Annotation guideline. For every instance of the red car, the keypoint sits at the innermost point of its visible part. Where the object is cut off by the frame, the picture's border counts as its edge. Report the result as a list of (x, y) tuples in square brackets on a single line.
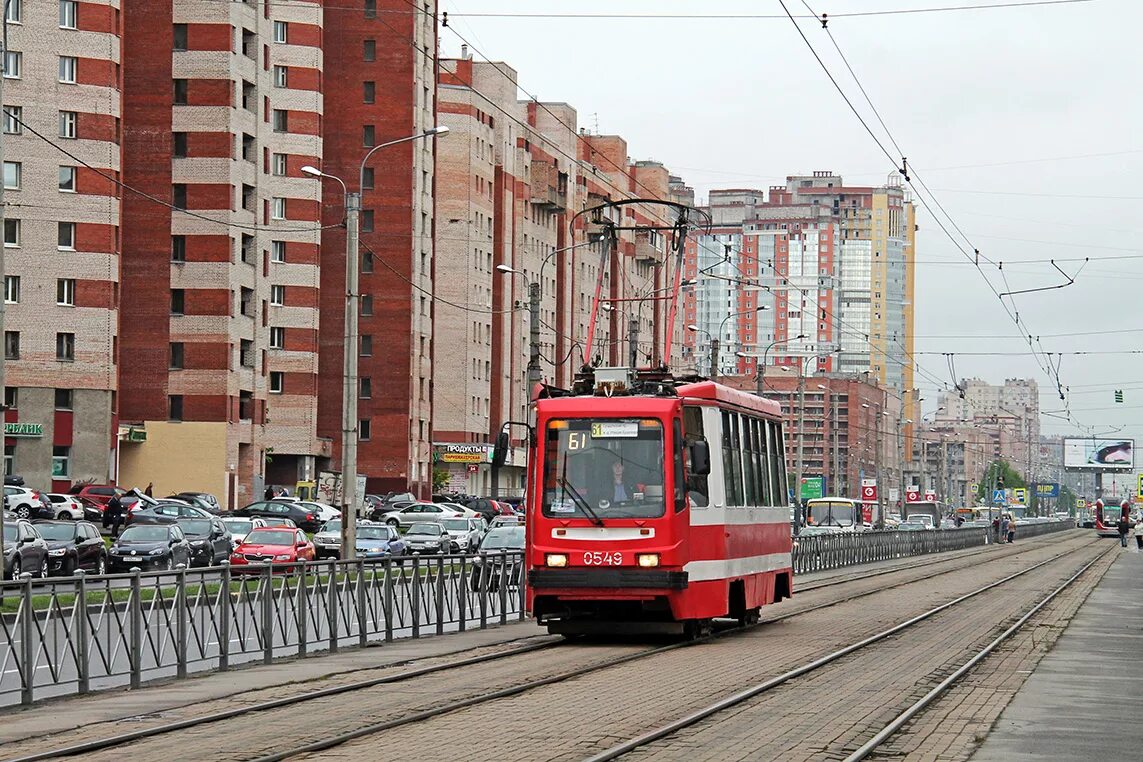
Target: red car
[(95, 496), (278, 545)]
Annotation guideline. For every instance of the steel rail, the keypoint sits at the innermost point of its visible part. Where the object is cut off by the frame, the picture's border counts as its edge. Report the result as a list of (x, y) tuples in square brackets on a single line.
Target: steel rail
[(899, 721), (737, 698)]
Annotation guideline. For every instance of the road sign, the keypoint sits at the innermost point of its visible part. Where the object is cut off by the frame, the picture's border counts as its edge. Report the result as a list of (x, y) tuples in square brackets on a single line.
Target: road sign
[(998, 496), (869, 490), (1021, 495), (1046, 489), (1140, 485), (930, 495), (974, 488), (812, 487), (912, 495), (1081, 503)]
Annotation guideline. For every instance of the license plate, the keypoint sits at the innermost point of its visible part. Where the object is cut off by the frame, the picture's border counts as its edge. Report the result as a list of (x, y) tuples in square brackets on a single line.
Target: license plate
[(602, 558)]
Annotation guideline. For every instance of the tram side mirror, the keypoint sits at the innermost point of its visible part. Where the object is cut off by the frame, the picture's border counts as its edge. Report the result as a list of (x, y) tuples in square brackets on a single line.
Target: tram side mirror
[(700, 457), (500, 450)]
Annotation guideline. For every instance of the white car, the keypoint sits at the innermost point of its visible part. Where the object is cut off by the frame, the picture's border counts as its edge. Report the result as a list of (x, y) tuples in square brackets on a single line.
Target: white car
[(67, 507), (239, 527), (418, 512), (463, 511), (323, 511), (465, 533)]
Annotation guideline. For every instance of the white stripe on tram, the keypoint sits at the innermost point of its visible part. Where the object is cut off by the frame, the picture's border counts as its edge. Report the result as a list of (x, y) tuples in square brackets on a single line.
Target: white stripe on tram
[(717, 514), (701, 571)]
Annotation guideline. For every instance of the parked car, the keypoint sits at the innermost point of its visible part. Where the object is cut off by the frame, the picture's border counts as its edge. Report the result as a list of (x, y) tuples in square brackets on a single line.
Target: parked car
[(163, 512), (204, 500), (288, 523), (24, 550), (161, 546), (428, 537), (323, 511), (209, 540), (272, 545), (97, 495), (240, 527), (280, 509), (509, 521), (66, 506), (490, 509), (327, 540), (417, 512), (73, 545), (913, 526), (379, 541), (28, 503), (464, 533), (497, 557)]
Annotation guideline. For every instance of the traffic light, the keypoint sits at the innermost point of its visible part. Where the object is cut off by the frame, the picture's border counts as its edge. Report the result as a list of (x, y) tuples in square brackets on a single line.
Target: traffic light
[(999, 482), (1119, 395)]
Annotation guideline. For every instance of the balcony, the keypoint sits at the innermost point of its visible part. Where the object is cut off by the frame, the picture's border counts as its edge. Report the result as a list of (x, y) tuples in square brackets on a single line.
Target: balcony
[(549, 186)]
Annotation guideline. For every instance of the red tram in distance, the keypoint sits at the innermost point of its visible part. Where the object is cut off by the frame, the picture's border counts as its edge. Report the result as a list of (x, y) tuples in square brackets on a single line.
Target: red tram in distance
[(1107, 516), (656, 507)]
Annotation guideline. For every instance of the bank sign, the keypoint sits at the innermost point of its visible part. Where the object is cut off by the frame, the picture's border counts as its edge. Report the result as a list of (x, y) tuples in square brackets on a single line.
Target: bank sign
[(23, 429), (463, 453), (1046, 489)]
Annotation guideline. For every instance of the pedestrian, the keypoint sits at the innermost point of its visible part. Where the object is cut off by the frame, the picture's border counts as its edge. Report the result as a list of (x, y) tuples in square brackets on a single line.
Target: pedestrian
[(1124, 526), (1003, 527), (1011, 529), (113, 515), (269, 492), (149, 492)]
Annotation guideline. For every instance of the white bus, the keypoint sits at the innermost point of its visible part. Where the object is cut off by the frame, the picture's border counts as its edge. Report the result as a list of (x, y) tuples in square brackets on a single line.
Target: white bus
[(834, 514)]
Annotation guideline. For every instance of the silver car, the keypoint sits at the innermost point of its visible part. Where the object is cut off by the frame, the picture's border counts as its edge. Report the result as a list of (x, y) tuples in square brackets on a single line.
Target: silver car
[(417, 513), (464, 533), (428, 537), (240, 527)]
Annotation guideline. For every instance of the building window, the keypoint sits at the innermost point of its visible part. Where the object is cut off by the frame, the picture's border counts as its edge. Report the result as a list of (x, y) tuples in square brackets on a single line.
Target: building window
[(277, 296), (67, 179), (366, 304), (14, 120), (15, 14), (246, 301), (180, 37), (366, 345), (65, 235), (11, 233), (180, 145), (277, 381), (277, 208), (11, 289), (178, 301), (65, 292), (61, 462), (367, 179), (246, 355), (368, 136), (364, 430), (366, 386), (13, 173), (370, 9), (369, 50), (11, 397), (13, 64), (11, 345), (366, 220), (69, 11), (177, 355), (63, 399), (9, 460), (69, 66), (369, 94), (281, 76), (281, 120), (277, 251), (68, 121), (279, 164), (366, 261), (65, 347), (179, 195), (178, 248), (180, 92), (277, 338), (281, 31), (175, 407)]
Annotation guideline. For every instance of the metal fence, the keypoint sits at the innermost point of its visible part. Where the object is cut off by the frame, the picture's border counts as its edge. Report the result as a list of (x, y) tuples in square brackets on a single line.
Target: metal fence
[(77, 634), (832, 551)]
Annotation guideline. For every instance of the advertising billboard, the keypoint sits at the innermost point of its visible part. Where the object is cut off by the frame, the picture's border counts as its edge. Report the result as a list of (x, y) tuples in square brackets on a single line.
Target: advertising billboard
[(1100, 454)]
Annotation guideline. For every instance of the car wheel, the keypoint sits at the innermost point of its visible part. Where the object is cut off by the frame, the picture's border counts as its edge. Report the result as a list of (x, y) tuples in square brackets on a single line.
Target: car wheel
[(393, 522), (15, 572), (24, 511)]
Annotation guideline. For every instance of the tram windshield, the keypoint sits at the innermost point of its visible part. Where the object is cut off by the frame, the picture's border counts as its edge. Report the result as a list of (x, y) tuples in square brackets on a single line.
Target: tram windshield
[(831, 513), (604, 469)]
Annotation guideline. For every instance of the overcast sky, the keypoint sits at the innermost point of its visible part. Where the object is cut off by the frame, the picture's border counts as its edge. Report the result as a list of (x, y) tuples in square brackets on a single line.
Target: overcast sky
[(1025, 123)]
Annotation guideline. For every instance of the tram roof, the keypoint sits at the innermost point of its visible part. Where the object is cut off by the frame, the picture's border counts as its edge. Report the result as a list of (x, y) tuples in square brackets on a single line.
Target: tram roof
[(710, 390)]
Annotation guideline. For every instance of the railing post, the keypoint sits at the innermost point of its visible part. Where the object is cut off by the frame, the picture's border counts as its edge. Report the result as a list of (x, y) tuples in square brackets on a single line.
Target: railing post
[(416, 596), (462, 595), (521, 583), (388, 605), (361, 629), (333, 607), (83, 633), (504, 587), (268, 614), (303, 610), (484, 580), (135, 615), (27, 641), (225, 602), (181, 622), (440, 596)]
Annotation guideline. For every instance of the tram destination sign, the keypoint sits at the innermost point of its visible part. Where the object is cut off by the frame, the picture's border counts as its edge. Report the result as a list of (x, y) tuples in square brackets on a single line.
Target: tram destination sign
[(15, 429)]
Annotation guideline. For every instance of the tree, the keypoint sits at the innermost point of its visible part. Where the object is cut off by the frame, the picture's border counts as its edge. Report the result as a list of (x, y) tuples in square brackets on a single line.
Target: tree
[(440, 479), (1009, 478), (1067, 500)]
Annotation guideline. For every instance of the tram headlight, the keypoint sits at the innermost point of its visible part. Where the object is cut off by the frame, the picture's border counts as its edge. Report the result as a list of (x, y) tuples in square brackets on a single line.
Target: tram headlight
[(556, 559), (647, 560)]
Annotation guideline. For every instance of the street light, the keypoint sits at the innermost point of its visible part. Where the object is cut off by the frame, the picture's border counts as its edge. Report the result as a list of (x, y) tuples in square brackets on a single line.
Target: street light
[(715, 341), (349, 424)]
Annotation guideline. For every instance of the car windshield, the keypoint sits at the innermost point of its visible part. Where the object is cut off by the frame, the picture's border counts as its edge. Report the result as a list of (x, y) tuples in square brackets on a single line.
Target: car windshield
[(459, 525), (433, 529), (144, 534), (195, 526), (9, 532), (601, 469), (238, 526), (56, 531), (838, 513), (504, 538), (280, 522), (335, 526), (372, 533), (270, 537)]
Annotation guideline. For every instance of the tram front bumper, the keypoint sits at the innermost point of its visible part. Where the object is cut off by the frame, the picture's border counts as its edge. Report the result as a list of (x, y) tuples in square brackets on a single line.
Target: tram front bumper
[(610, 578)]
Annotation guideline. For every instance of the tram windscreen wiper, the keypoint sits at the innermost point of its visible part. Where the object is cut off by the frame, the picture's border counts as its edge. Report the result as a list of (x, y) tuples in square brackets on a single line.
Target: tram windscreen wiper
[(578, 498)]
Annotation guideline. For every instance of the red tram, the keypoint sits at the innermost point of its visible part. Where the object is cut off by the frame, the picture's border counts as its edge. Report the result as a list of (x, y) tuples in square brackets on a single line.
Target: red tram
[(656, 507), (1107, 516)]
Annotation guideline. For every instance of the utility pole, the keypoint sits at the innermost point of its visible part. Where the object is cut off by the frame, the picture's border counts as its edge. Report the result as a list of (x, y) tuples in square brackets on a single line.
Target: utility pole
[(349, 396), (801, 441), (3, 272), (901, 462), (877, 471), (714, 346), (836, 451), (633, 342), (534, 374)]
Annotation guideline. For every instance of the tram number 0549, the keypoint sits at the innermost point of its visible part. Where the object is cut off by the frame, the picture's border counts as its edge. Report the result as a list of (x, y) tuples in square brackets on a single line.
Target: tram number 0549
[(602, 558)]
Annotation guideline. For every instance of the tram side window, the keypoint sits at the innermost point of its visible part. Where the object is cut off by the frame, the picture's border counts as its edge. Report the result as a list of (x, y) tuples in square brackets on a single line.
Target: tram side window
[(778, 464), (697, 489), (731, 463), (749, 477), (678, 478), (758, 462)]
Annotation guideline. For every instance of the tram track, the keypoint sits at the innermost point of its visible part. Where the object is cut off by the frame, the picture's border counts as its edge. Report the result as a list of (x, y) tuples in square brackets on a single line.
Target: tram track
[(123, 739)]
